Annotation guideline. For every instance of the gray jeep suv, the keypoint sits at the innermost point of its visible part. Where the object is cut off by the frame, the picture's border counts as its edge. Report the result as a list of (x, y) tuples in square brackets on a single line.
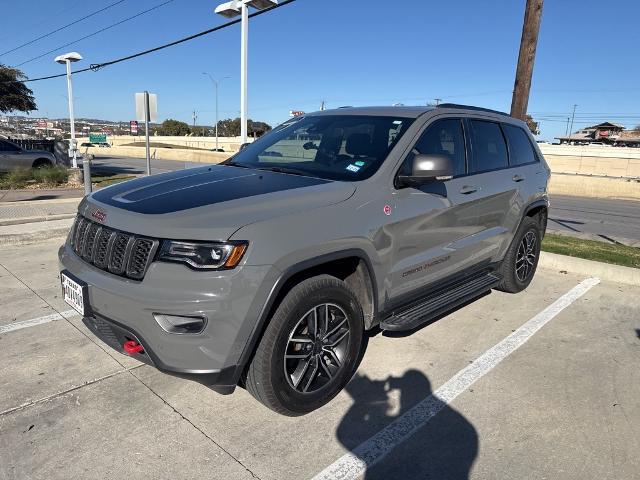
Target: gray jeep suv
[(267, 271)]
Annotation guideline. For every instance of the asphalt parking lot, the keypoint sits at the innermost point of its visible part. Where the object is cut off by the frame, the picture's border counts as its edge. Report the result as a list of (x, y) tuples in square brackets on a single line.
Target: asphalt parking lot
[(543, 384)]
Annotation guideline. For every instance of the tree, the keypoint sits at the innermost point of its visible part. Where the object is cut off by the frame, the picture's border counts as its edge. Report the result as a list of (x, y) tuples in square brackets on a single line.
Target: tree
[(231, 128), (14, 94), (533, 126), (174, 128)]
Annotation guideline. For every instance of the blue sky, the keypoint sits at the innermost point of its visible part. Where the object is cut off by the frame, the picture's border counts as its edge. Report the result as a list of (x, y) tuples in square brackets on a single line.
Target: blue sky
[(346, 52)]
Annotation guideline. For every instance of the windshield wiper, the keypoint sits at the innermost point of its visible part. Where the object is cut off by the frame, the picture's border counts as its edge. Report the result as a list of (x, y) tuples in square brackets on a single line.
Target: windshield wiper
[(234, 164), (291, 171)]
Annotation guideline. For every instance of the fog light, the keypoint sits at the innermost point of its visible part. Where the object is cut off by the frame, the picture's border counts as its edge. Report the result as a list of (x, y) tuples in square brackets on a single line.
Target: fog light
[(180, 324)]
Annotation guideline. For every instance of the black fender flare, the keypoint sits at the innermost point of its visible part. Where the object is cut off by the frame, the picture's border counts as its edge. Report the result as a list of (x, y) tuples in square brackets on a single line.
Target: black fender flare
[(276, 289)]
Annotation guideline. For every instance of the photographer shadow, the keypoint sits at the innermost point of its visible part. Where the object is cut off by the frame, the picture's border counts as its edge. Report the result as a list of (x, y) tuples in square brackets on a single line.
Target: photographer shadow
[(444, 448)]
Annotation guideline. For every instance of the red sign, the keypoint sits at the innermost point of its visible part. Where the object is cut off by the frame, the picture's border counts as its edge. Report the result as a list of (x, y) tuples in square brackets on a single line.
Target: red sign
[(133, 127), (295, 113)]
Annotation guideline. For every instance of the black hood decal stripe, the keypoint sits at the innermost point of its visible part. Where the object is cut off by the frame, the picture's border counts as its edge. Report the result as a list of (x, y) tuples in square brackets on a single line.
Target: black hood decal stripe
[(197, 187)]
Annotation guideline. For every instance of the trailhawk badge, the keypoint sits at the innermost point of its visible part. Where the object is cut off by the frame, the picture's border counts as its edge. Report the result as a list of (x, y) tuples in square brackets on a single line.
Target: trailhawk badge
[(99, 215)]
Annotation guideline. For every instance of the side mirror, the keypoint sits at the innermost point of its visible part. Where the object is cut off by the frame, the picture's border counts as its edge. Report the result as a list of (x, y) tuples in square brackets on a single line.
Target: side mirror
[(427, 168), (310, 146)]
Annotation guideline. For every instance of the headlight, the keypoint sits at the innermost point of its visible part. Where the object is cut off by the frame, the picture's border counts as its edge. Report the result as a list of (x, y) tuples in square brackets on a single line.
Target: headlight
[(203, 256)]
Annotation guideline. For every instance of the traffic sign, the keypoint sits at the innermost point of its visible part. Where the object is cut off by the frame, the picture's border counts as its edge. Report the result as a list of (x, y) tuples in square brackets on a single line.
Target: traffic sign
[(153, 107), (97, 138)]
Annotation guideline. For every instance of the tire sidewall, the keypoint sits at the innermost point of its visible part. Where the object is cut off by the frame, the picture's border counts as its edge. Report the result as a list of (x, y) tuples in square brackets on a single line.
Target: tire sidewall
[(287, 319), (528, 226)]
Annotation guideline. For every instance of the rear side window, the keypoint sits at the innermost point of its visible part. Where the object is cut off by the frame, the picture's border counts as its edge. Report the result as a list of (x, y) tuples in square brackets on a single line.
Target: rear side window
[(489, 151), (520, 149), (443, 137)]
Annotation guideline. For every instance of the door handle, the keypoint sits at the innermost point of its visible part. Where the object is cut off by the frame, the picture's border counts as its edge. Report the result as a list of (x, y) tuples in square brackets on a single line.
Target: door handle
[(467, 189), (518, 178)]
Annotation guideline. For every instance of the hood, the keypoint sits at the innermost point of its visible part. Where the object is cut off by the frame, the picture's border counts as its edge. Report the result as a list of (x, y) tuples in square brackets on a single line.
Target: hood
[(208, 203)]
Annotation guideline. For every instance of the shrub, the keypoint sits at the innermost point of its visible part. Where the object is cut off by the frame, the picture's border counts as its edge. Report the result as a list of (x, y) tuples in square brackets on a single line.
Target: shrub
[(18, 177), (51, 176)]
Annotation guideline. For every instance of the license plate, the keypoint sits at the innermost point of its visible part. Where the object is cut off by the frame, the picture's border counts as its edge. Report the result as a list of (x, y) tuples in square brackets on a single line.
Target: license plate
[(73, 292)]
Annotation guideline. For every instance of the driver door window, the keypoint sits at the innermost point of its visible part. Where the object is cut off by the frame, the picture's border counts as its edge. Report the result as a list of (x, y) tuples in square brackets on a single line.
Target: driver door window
[(443, 137)]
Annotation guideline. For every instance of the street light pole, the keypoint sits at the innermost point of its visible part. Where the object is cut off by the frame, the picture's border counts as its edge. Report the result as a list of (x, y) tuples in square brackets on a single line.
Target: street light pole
[(243, 72), (233, 9), (215, 84), (66, 59), (571, 127), (72, 145)]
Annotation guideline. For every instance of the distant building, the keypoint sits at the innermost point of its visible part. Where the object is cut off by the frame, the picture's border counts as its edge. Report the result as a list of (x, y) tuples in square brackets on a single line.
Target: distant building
[(607, 132)]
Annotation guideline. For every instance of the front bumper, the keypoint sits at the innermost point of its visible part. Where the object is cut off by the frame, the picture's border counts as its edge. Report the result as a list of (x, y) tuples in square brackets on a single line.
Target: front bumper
[(231, 300)]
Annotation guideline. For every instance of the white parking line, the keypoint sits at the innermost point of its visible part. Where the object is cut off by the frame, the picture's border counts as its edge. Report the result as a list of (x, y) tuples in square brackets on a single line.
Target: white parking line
[(37, 321), (371, 451)]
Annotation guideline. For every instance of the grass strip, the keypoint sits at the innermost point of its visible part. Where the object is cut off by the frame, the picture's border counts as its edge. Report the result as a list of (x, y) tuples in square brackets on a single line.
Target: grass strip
[(615, 254)]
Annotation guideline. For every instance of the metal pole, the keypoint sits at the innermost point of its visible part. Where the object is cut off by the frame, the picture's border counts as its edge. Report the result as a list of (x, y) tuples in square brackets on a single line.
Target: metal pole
[(243, 72), (216, 84), (146, 130), (572, 117), (72, 144)]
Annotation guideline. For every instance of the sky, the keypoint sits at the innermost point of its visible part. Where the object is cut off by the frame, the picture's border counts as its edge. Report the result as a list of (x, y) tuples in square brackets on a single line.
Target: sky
[(342, 52)]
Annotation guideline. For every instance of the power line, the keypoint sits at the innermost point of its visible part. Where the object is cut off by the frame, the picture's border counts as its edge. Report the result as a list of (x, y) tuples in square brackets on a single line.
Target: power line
[(62, 28), (97, 66), (96, 32)]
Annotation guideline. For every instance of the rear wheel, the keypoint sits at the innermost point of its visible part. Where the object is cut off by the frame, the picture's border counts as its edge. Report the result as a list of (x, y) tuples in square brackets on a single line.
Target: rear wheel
[(42, 163), (310, 349), (520, 262)]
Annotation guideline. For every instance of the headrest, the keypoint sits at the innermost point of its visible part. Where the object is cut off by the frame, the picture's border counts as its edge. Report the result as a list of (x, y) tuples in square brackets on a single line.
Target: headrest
[(359, 144)]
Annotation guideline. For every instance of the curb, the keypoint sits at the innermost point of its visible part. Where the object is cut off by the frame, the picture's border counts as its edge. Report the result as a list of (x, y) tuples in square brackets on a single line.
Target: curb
[(17, 239), (36, 219), (604, 271)]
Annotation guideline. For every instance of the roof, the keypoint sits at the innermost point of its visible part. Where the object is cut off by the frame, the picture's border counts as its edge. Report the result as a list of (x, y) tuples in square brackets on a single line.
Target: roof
[(400, 111), (608, 125), (576, 136), (403, 111)]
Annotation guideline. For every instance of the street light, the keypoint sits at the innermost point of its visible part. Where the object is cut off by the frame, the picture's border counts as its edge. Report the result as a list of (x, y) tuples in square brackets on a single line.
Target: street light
[(233, 9), (216, 83), (67, 59)]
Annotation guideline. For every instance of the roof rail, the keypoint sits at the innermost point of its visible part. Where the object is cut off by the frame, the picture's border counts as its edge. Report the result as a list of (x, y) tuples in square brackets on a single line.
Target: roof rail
[(469, 107)]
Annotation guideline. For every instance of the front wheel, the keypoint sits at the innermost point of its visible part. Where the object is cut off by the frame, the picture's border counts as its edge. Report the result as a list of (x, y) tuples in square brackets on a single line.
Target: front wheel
[(521, 260), (310, 349)]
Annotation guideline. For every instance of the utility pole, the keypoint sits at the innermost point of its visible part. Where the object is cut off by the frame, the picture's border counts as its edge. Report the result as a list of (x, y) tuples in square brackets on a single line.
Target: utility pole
[(526, 58), (566, 131), (572, 117), (438, 100), (322, 106), (195, 117)]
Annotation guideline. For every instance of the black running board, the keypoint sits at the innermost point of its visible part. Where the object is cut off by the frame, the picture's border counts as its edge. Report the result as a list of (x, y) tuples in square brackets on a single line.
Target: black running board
[(440, 302)]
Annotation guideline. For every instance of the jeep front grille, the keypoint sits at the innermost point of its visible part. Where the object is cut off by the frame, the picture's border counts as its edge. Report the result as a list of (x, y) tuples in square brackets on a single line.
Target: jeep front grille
[(111, 250)]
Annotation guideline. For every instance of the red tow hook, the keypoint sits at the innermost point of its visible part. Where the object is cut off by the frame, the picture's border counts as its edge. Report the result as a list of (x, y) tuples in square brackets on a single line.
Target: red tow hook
[(131, 347)]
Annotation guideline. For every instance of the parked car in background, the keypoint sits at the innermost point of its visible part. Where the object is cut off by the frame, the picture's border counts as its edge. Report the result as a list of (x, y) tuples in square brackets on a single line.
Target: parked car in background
[(13, 156)]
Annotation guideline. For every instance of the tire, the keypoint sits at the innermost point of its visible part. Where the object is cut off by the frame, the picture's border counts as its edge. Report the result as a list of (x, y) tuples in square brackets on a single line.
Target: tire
[(272, 380), (517, 272), (42, 163)]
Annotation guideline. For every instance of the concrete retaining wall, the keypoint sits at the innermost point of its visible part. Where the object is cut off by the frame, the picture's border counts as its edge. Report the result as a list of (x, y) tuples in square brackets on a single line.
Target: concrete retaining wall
[(594, 187), (229, 144), (584, 160), (177, 154)]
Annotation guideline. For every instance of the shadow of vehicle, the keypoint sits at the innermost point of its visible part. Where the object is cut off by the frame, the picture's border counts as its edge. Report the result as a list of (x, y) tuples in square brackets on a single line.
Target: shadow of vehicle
[(444, 448)]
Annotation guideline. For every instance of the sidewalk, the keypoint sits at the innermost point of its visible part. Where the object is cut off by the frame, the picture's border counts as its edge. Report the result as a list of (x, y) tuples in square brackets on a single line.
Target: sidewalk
[(23, 222), (22, 212)]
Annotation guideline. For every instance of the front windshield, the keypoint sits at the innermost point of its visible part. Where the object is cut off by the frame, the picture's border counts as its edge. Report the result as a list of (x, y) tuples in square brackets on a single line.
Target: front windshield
[(335, 147)]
